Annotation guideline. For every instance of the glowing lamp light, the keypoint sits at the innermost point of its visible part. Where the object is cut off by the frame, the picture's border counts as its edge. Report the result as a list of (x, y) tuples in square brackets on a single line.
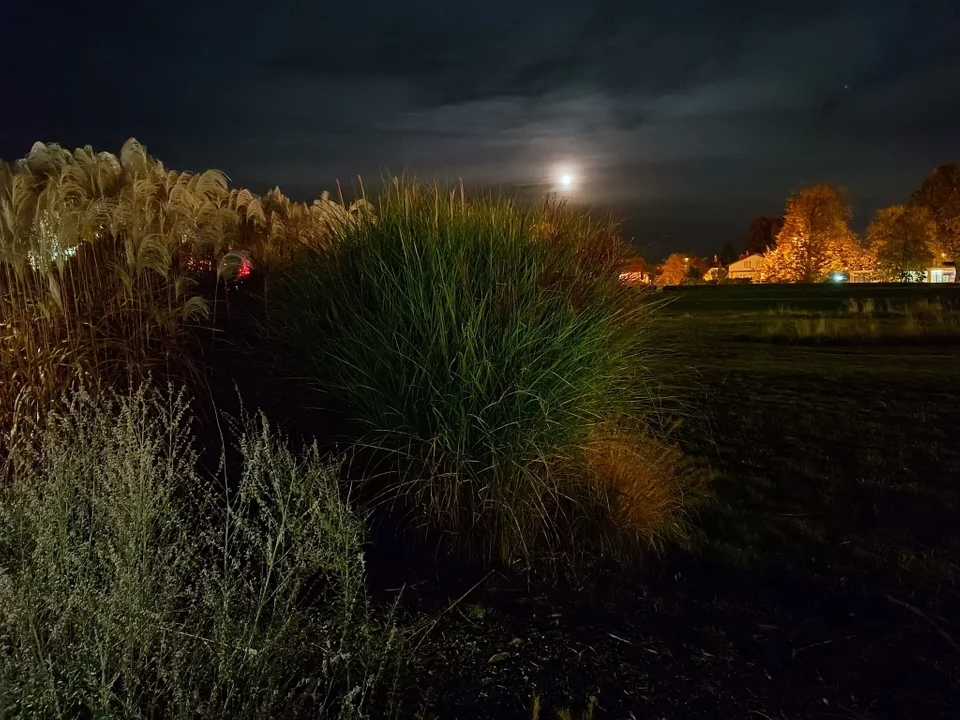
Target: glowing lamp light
[(566, 180), (838, 277)]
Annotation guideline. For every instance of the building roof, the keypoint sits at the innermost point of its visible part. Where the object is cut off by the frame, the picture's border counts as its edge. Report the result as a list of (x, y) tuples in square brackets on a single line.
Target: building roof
[(743, 260)]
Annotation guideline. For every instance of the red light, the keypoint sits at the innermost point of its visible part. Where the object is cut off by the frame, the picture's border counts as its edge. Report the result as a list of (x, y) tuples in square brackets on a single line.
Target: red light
[(244, 270)]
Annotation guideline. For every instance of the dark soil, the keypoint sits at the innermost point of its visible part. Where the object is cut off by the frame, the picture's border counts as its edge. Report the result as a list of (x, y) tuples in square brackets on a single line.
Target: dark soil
[(705, 643)]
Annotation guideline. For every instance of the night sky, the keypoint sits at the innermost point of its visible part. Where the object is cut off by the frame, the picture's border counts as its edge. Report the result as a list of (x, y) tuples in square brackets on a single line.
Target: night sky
[(686, 118)]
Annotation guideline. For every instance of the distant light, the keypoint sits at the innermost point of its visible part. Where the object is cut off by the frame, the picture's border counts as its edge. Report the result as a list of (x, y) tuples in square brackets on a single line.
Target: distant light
[(838, 277), (566, 180), (686, 259)]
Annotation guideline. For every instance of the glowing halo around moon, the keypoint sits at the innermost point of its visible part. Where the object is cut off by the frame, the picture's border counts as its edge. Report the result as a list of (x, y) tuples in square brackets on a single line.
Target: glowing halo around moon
[(565, 178)]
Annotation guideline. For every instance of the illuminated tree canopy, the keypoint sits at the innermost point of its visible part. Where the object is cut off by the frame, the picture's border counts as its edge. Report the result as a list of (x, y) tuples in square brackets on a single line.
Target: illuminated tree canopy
[(815, 240), (940, 194), (900, 238), (674, 270)]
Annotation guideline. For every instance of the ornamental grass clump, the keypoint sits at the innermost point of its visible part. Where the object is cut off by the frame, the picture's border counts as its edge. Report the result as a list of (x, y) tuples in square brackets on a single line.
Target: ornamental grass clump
[(479, 345)]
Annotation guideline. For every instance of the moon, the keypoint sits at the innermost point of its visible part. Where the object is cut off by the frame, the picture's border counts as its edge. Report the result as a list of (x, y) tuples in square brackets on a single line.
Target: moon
[(565, 177)]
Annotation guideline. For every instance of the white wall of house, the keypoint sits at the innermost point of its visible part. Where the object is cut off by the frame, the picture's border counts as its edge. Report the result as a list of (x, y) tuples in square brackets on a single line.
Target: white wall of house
[(942, 275), (946, 274), (748, 267), (633, 277)]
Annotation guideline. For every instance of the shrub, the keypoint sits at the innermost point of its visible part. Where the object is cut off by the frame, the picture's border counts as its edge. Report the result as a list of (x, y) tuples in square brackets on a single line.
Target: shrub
[(128, 590), (479, 344)]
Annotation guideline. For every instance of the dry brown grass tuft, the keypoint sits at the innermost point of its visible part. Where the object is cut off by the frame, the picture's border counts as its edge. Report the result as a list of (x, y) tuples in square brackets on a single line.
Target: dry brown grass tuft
[(641, 479)]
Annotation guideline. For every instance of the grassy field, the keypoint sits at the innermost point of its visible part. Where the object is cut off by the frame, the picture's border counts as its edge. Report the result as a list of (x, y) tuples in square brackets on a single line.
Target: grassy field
[(822, 581), (822, 298), (500, 483), (814, 314)]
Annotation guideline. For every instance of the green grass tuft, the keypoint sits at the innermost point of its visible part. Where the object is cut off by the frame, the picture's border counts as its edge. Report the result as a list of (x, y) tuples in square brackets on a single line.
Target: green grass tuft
[(481, 344)]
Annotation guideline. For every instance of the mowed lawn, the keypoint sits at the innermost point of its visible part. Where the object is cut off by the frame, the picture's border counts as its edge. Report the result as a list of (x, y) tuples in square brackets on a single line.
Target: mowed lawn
[(859, 443), (821, 580), (836, 472)]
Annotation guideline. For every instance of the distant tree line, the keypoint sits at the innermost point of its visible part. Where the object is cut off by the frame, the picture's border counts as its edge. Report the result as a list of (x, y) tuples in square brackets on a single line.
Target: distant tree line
[(813, 239)]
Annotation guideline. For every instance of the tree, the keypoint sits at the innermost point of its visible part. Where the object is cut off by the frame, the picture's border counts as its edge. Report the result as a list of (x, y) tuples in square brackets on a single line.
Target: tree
[(940, 194), (900, 237), (679, 268), (694, 274), (674, 270), (815, 240), (728, 254), (762, 234), (697, 267)]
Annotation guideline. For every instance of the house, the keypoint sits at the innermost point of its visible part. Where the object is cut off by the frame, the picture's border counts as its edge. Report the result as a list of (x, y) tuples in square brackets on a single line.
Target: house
[(636, 272), (946, 273), (746, 268)]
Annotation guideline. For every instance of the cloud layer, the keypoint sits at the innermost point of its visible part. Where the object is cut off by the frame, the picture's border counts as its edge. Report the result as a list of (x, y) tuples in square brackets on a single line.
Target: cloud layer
[(690, 117)]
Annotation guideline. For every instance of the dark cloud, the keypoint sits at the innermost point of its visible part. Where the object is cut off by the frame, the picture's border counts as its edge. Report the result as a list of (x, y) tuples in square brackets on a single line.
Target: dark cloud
[(688, 117)]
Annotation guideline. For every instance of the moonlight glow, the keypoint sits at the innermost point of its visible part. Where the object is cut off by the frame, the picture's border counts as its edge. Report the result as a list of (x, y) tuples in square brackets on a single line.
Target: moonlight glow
[(565, 178)]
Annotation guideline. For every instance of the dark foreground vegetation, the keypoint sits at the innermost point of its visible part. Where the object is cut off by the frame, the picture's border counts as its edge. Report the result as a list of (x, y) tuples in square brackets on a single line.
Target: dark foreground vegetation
[(423, 456)]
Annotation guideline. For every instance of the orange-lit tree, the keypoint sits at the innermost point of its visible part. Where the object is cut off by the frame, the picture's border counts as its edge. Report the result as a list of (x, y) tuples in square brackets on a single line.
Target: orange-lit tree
[(900, 238), (815, 240), (940, 194), (677, 268)]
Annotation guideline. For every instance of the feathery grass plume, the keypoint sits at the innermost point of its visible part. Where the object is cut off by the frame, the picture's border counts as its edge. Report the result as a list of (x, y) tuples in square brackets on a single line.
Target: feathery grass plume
[(92, 283), (100, 258), (128, 589), (479, 343)]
